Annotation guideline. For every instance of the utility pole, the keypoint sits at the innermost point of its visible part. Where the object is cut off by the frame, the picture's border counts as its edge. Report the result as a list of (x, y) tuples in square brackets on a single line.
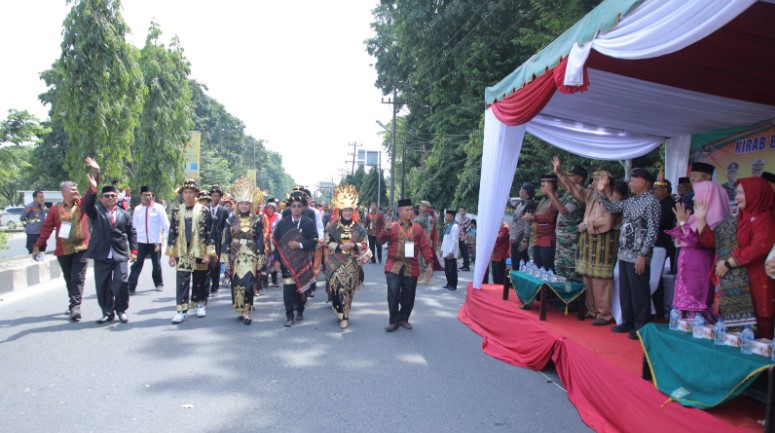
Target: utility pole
[(403, 167), (354, 153), (392, 147)]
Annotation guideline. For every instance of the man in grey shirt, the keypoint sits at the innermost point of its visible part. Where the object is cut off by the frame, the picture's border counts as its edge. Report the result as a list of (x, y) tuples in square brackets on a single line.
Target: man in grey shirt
[(640, 226), (32, 219)]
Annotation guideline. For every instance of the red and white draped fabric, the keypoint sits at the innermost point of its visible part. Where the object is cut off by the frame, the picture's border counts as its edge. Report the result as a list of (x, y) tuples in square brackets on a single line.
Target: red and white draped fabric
[(654, 28)]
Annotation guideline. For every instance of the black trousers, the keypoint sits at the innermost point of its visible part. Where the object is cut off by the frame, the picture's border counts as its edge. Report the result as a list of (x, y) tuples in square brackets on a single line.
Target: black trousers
[(31, 239), (293, 300), (543, 257), (450, 271), (376, 250), (110, 278), (634, 295), (214, 276), (74, 272), (143, 251), (400, 296), (499, 271), (517, 255), (198, 293), (464, 253)]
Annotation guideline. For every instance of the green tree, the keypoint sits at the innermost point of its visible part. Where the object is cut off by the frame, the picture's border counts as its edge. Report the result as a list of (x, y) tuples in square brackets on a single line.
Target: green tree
[(166, 117), (18, 132), (101, 90), (440, 56), (356, 178), (369, 186)]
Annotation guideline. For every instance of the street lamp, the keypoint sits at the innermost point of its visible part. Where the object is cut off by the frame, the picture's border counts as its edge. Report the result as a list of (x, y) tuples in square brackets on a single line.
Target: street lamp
[(392, 152)]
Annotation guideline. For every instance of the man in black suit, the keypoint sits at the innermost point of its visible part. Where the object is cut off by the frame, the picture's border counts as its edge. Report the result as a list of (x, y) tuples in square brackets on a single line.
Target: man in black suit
[(219, 215), (294, 257), (113, 242)]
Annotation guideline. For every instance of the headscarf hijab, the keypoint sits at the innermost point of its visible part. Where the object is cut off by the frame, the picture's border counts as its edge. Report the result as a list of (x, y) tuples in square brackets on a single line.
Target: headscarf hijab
[(717, 200), (759, 200)]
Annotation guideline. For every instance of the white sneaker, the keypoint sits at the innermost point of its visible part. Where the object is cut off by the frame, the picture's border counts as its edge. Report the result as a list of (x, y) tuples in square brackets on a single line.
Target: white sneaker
[(180, 317), (201, 310)]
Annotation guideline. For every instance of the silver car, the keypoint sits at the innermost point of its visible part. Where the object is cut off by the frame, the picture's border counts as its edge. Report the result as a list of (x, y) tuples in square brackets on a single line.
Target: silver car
[(10, 218)]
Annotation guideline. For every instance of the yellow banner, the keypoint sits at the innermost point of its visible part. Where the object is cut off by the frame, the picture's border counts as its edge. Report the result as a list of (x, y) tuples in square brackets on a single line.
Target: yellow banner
[(192, 155)]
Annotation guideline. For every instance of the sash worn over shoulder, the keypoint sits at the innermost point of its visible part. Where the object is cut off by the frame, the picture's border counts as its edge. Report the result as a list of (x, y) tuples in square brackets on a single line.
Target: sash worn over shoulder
[(298, 261)]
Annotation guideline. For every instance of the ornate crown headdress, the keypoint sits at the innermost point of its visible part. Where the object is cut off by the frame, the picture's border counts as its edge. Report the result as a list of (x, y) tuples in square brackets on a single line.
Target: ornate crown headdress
[(661, 182), (189, 184), (345, 196), (245, 190)]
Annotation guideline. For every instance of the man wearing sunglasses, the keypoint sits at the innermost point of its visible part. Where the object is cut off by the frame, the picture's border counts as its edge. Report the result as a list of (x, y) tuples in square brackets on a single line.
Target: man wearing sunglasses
[(113, 243)]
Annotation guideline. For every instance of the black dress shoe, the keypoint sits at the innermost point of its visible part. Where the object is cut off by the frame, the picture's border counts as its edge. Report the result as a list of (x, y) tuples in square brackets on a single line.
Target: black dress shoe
[(123, 318), (288, 323), (633, 335), (248, 320), (299, 317), (621, 329), (106, 319), (405, 325), (392, 327)]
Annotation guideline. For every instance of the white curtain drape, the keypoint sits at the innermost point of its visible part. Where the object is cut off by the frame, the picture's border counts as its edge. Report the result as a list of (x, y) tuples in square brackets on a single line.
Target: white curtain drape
[(500, 156), (656, 28), (677, 157), (592, 141)]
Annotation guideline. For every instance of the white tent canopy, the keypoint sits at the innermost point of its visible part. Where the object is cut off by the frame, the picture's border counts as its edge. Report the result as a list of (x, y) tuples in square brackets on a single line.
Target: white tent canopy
[(666, 70)]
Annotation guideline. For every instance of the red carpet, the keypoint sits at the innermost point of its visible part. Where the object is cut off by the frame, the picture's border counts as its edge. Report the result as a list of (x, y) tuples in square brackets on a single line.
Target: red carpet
[(600, 369)]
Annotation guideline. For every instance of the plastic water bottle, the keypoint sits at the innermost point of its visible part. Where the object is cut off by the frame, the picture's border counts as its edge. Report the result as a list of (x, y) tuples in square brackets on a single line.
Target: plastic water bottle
[(720, 333), (521, 266), (675, 315), (39, 257), (550, 276), (699, 321), (542, 273), (747, 346), (772, 351)]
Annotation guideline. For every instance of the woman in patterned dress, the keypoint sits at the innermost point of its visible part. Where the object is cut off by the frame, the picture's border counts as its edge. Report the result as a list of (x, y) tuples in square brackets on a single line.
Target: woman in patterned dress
[(243, 251), (346, 250)]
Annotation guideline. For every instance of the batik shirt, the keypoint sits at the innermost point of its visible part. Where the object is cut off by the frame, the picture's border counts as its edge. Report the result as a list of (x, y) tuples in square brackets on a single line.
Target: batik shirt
[(640, 224)]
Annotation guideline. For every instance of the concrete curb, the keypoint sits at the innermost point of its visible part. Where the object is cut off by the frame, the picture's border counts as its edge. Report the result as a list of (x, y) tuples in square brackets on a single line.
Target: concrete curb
[(20, 273)]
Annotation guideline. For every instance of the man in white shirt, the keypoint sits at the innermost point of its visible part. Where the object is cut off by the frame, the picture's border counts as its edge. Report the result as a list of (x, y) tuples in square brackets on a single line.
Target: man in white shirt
[(450, 249), (150, 221)]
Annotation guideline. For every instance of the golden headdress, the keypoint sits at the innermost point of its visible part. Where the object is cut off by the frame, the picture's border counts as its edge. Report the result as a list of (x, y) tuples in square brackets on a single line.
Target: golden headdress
[(345, 196), (661, 182), (189, 184), (245, 190)]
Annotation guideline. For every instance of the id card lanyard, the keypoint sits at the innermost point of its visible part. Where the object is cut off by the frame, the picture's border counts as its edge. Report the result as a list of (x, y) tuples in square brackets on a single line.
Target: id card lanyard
[(408, 245)]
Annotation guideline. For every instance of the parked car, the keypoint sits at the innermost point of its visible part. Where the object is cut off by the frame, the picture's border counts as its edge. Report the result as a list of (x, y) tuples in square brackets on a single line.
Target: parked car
[(10, 217)]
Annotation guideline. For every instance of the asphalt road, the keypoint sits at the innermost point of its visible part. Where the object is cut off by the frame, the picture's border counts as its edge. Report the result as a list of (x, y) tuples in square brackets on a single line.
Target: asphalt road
[(17, 245), (215, 374)]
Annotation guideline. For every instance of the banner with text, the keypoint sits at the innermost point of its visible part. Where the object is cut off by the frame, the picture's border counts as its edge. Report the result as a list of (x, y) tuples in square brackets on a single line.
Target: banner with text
[(736, 152), (192, 155)]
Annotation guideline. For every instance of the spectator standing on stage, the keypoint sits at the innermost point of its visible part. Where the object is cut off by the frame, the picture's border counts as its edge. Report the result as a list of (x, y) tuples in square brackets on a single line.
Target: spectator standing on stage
[(375, 223), (450, 248), (638, 235), (571, 213), (150, 221), (499, 255), (755, 236), (545, 220), (71, 227), (731, 185), (464, 224), (662, 191), (520, 227), (32, 219), (595, 256)]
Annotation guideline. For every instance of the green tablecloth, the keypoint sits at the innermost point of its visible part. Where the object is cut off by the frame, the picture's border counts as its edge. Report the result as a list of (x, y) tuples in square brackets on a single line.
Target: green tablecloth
[(527, 288), (695, 372)]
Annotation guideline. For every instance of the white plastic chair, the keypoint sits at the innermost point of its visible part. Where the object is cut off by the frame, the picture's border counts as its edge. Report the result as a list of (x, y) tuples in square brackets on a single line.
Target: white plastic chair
[(658, 257)]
